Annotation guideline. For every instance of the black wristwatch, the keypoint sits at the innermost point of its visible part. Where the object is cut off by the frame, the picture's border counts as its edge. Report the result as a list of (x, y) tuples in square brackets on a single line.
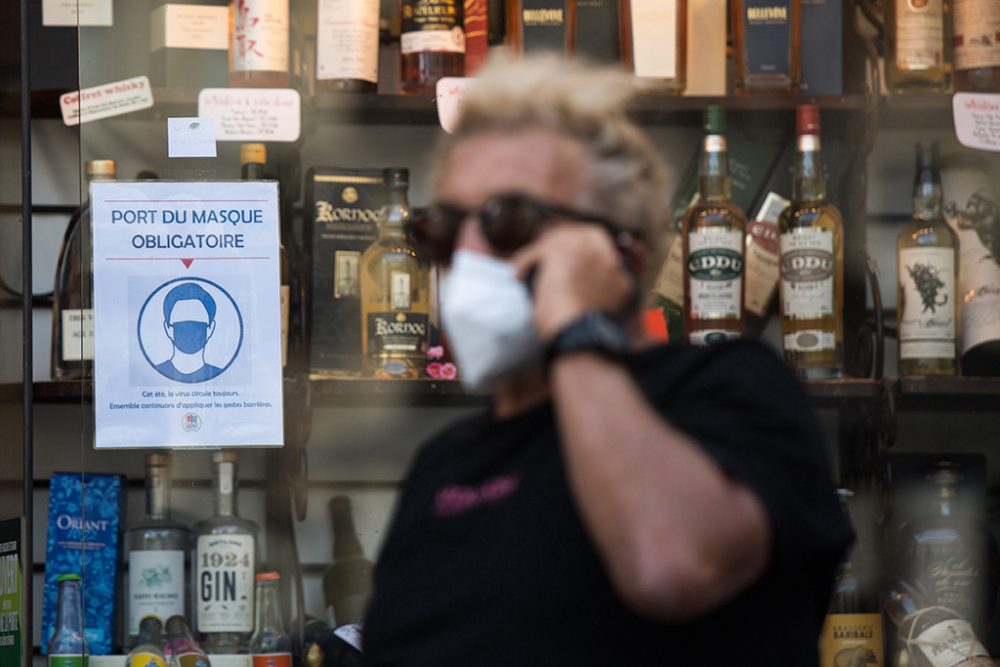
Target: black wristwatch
[(594, 332)]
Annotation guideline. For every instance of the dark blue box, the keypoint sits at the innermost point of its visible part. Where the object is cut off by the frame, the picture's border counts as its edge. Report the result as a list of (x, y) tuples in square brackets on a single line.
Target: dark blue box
[(822, 47)]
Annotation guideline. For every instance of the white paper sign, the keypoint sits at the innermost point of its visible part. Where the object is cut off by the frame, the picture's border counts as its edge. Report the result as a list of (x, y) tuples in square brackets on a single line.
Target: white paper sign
[(56, 13), (977, 120), (107, 100), (450, 93), (190, 137), (186, 314), (252, 114)]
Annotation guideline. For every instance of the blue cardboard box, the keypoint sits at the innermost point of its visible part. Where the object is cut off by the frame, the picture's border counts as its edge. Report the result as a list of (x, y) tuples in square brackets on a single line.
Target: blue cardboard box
[(822, 50), (86, 516)]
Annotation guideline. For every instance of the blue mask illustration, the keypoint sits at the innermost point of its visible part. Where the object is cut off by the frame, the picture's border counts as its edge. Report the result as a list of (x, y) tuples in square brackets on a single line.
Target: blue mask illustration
[(190, 337)]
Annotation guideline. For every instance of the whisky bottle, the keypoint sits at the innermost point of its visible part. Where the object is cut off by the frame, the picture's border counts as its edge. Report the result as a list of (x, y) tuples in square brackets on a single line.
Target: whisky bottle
[(917, 46), (73, 314), (767, 36), (225, 557), (927, 278), (932, 636), (944, 553), (270, 645), (157, 551), (347, 46), (976, 44), (853, 625), (431, 43), (812, 262), (395, 292), (148, 649), (258, 43), (68, 646), (347, 583), (713, 234), (654, 42), (541, 25), (183, 649)]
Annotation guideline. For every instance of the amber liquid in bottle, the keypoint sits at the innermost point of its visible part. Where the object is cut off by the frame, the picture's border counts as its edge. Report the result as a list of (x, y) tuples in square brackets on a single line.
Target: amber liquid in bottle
[(766, 42), (917, 47), (812, 264), (258, 43), (976, 45), (432, 43), (713, 239), (927, 278), (541, 25), (654, 42)]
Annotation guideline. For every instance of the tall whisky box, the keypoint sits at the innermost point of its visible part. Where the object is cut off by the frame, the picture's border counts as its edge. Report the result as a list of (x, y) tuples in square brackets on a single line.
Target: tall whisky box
[(706, 48), (597, 31), (86, 515), (344, 207), (822, 53)]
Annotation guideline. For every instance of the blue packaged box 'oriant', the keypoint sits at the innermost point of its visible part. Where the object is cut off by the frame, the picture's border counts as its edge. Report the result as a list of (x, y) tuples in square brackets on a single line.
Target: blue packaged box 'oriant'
[(86, 512)]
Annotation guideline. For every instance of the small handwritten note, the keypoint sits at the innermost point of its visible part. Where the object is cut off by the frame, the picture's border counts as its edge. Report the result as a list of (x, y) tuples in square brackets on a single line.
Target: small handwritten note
[(977, 120), (450, 94), (107, 100), (191, 137), (73, 13), (252, 114)]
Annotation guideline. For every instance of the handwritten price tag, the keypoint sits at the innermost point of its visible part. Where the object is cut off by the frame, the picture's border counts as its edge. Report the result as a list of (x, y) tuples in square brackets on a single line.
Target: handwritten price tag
[(450, 93), (977, 120), (252, 114), (191, 137)]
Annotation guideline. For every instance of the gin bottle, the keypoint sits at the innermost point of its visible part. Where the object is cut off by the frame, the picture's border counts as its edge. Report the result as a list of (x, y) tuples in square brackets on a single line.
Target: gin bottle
[(72, 312), (148, 652), (713, 245), (68, 646), (270, 645), (225, 557), (157, 551)]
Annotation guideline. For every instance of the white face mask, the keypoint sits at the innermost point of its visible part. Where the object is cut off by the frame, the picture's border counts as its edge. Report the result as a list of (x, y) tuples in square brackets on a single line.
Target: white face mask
[(487, 314)]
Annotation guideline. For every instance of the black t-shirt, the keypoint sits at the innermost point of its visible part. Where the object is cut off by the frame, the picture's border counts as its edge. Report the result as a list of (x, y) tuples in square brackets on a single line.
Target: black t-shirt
[(488, 563)]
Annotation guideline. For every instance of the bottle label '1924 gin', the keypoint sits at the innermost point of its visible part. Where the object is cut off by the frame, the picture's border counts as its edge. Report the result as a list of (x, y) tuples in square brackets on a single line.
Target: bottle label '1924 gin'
[(225, 583), (807, 284), (919, 34), (927, 326), (851, 639)]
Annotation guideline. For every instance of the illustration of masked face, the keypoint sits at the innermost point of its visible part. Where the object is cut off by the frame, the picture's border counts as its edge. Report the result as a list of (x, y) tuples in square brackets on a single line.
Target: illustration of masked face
[(190, 337)]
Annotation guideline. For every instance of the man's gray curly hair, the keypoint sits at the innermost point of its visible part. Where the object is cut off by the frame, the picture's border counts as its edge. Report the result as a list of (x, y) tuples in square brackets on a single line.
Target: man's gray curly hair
[(585, 103)]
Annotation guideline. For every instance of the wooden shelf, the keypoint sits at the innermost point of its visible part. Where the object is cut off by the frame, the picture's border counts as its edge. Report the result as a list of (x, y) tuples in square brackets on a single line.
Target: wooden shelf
[(833, 393), (958, 394)]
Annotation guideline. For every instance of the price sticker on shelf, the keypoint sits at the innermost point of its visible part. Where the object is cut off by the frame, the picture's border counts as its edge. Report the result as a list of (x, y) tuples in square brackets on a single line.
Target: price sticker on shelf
[(977, 120), (191, 137), (451, 92), (252, 114)]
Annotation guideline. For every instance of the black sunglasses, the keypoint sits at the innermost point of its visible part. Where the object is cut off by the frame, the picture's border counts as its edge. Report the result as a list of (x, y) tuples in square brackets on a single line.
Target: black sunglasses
[(508, 221)]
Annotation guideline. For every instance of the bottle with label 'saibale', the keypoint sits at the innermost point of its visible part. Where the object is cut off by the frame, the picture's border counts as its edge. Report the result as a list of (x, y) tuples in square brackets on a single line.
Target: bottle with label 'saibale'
[(918, 46), (68, 646), (72, 312), (395, 288), (927, 278), (225, 557), (713, 245), (157, 551), (811, 237)]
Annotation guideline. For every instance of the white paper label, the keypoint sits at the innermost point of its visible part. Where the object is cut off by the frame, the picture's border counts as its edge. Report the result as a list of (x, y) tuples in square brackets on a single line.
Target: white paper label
[(225, 583), (189, 27), (977, 120), (107, 100), (191, 137), (347, 40), (715, 273), (977, 34), (450, 94), (711, 336), (654, 38), (927, 327), (979, 272), (252, 114), (670, 282), (350, 633), (809, 340), (762, 254), (807, 273), (446, 41), (919, 34), (950, 643), (57, 13), (260, 36), (155, 586), (78, 334)]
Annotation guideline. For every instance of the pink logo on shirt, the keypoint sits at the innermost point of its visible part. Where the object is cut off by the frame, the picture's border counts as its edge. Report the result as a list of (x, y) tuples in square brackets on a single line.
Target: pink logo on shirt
[(457, 499)]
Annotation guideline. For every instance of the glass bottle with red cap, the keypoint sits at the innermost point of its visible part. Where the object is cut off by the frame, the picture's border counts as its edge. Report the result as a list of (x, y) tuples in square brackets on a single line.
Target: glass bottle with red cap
[(270, 645), (812, 263)]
